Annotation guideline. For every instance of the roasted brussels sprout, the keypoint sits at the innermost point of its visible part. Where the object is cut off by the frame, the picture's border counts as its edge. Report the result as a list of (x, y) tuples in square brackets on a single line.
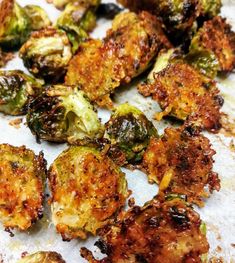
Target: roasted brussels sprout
[(216, 38), (63, 113), (184, 93), (161, 231), (87, 190), (15, 90), (129, 131), (14, 24), (39, 257), (128, 50), (210, 8), (60, 4), (47, 53), (178, 15), (21, 186), (38, 17), (181, 163), (77, 19), (204, 61)]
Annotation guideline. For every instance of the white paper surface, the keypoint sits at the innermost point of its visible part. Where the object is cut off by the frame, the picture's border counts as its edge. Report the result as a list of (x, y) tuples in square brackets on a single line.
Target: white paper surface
[(219, 210)]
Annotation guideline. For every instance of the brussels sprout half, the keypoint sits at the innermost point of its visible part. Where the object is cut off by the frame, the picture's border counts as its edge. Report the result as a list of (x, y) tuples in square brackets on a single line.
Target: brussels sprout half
[(87, 190), (38, 17), (23, 176), (160, 231), (47, 53), (15, 90), (129, 131), (77, 19), (14, 25), (63, 113)]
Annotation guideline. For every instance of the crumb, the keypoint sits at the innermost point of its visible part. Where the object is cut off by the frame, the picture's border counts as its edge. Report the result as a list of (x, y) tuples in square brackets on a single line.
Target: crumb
[(233, 245), (24, 254), (232, 146), (228, 127), (16, 123), (216, 260), (218, 249), (131, 202)]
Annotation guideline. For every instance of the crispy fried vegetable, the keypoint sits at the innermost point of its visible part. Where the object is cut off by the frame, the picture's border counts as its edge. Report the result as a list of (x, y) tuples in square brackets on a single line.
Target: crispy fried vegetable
[(14, 24), (185, 94), (216, 37), (77, 20), (159, 232), (204, 61), (181, 163), (47, 53), (15, 90), (21, 186), (129, 132), (87, 190), (178, 15), (63, 113), (210, 8), (43, 256), (38, 17), (128, 49)]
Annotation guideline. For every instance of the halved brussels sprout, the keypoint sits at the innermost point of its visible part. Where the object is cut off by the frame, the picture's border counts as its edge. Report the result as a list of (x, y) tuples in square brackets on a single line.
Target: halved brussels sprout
[(15, 90), (77, 20), (99, 67), (38, 17), (183, 92), (42, 256), (47, 53), (63, 113), (216, 41), (14, 25), (181, 162), (129, 132), (160, 231), (178, 15), (23, 176), (87, 188)]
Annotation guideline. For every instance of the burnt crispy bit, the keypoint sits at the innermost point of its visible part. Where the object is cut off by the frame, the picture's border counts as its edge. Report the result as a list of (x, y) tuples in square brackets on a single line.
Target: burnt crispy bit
[(161, 232), (185, 94), (128, 49), (87, 190), (181, 163), (42, 256), (22, 176), (217, 37)]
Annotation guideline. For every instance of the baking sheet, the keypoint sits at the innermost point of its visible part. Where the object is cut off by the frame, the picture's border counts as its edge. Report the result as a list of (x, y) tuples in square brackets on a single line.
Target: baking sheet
[(219, 210)]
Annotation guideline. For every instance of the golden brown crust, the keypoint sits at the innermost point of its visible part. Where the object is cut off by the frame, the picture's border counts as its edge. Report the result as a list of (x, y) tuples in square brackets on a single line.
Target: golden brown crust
[(216, 35), (100, 67), (159, 232), (181, 163), (21, 186), (87, 190), (187, 95)]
